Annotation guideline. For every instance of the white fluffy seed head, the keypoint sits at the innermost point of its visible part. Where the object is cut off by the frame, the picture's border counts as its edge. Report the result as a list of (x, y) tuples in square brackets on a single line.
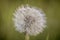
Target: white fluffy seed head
[(29, 19)]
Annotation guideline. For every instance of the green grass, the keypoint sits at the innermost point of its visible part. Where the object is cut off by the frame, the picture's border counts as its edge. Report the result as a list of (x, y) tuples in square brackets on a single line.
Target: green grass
[(51, 9)]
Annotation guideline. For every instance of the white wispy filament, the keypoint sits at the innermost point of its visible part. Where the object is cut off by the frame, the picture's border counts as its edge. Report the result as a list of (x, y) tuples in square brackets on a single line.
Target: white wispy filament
[(29, 19)]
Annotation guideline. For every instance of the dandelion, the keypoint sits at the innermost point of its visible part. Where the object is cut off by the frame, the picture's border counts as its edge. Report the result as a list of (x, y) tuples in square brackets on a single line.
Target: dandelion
[(30, 20)]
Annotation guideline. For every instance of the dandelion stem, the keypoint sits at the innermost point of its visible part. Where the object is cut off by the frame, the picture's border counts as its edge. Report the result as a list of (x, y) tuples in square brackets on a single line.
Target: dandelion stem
[(26, 36)]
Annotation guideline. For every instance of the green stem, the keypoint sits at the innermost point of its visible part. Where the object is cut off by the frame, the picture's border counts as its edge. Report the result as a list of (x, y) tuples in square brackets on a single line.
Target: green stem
[(26, 36)]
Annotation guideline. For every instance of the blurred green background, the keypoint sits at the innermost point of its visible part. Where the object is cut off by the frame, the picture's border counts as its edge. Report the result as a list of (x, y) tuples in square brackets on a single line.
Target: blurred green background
[(51, 9)]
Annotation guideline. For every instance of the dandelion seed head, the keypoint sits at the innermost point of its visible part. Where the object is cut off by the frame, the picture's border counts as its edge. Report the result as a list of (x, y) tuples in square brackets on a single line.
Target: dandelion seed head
[(29, 19)]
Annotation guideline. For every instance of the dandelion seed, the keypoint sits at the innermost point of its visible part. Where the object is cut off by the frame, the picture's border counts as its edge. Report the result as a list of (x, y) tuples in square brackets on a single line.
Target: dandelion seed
[(29, 19)]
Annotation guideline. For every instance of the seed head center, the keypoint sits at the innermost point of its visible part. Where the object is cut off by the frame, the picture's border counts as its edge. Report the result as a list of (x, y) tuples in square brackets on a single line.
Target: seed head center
[(29, 20)]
